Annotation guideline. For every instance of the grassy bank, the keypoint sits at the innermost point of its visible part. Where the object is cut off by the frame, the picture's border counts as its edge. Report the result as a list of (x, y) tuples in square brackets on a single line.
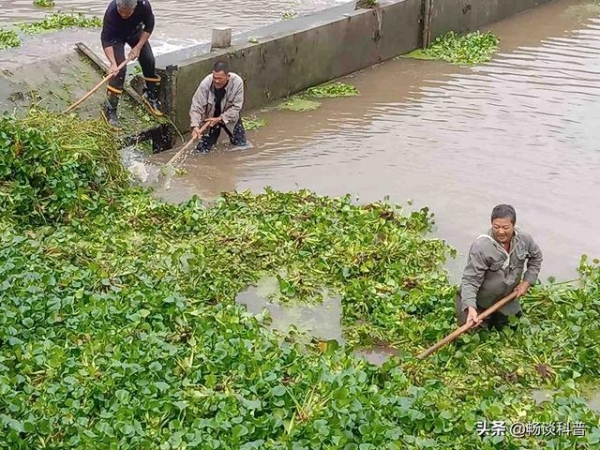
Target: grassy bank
[(118, 326)]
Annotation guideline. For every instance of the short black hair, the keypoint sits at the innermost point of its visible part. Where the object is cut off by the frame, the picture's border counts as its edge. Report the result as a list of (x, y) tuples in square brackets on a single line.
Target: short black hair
[(502, 211), (221, 66)]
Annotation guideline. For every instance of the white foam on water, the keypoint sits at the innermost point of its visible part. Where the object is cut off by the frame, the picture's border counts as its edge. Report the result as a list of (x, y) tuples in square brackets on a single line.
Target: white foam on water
[(239, 148), (139, 170)]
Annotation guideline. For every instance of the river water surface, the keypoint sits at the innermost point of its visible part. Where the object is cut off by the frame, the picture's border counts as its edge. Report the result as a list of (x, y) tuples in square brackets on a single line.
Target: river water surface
[(179, 23), (522, 129)]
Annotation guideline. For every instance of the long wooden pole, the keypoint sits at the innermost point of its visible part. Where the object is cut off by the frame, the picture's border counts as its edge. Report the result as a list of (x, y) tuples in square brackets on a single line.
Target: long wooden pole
[(187, 145), (95, 88), (452, 336)]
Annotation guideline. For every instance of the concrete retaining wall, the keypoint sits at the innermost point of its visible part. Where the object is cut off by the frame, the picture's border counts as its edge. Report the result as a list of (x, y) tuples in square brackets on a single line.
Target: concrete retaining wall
[(463, 16), (290, 56)]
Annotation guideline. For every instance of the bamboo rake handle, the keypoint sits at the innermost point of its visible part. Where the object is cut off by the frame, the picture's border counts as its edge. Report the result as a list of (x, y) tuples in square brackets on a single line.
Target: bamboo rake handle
[(187, 145), (452, 336), (95, 88)]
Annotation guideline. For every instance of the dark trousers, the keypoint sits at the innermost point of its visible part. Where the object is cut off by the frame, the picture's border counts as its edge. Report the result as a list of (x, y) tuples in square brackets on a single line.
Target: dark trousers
[(496, 320), (238, 137), (146, 60)]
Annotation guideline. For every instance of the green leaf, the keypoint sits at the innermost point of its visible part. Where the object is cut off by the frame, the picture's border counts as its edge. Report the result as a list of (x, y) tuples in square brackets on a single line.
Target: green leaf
[(155, 366), (122, 395), (162, 386), (446, 415), (181, 405), (278, 391), (593, 438), (321, 427), (239, 431)]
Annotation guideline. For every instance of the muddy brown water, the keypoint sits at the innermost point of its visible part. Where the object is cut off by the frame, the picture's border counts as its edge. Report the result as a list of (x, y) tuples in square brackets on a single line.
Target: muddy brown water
[(459, 140), (592, 398), (180, 17), (321, 320), (307, 321)]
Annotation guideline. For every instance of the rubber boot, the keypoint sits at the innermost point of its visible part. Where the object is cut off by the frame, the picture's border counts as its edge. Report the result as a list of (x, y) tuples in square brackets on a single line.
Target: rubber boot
[(150, 95), (202, 147), (109, 110)]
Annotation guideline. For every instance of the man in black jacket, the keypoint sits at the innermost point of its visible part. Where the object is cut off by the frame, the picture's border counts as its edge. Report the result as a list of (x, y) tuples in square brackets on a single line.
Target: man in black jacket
[(129, 22)]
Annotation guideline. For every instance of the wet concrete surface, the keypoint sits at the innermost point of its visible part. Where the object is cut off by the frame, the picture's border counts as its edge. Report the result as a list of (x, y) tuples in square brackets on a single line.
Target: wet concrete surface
[(520, 130)]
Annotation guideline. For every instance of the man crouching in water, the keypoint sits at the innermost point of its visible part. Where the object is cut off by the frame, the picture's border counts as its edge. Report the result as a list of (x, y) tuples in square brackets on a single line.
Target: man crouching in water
[(218, 100), (495, 268)]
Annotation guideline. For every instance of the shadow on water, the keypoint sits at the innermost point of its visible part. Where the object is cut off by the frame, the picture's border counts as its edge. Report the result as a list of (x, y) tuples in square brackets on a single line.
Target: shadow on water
[(321, 321)]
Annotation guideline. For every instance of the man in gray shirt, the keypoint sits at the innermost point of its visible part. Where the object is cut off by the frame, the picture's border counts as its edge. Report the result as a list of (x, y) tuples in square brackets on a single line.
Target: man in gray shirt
[(494, 269), (219, 100)]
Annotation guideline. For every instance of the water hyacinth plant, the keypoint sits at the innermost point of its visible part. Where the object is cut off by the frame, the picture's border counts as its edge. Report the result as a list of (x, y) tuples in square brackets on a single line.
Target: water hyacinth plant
[(253, 123), (9, 39), (472, 48), (60, 21), (332, 90), (44, 3), (119, 326), (307, 100)]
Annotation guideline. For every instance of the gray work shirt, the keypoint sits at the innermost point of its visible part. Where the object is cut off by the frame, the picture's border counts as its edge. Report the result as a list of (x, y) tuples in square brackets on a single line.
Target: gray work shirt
[(203, 102), (492, 273)]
